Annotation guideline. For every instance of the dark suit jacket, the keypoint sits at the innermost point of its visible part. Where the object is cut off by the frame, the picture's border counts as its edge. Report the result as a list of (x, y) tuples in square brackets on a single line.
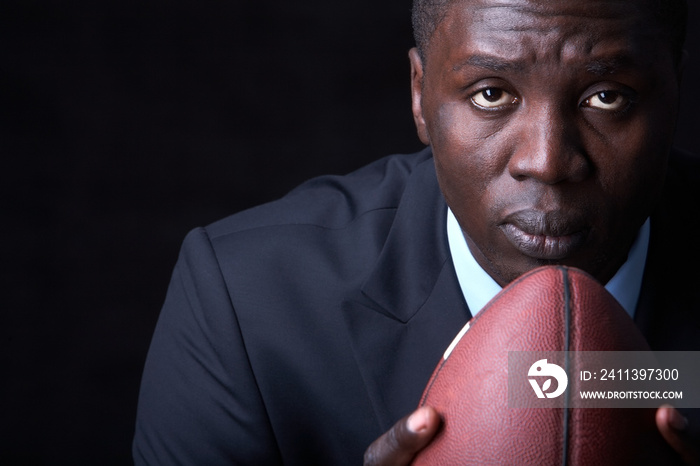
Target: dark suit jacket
[(299, 331)]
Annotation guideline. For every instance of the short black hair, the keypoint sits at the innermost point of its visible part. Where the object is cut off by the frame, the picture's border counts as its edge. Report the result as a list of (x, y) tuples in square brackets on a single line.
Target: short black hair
[(672, 15)]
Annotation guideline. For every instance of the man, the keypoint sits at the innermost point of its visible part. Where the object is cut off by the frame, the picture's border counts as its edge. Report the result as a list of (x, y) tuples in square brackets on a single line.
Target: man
[(299, 331)]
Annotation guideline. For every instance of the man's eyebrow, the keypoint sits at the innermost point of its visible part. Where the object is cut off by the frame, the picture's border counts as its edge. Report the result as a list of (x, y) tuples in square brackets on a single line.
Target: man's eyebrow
[(604, 66), (599, 67), (490, 63)]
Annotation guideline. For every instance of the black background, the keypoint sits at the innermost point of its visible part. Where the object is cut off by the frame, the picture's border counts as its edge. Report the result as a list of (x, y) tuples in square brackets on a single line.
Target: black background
[(124, 124)]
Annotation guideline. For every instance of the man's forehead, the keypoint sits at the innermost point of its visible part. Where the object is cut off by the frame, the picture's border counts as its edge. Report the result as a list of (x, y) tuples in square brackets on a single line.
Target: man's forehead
[(528, 29), (584, 8), (595, 8), (522, 15)]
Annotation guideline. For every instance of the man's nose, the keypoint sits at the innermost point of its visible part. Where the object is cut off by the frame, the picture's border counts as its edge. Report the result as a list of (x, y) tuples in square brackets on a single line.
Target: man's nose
[(550, 149)]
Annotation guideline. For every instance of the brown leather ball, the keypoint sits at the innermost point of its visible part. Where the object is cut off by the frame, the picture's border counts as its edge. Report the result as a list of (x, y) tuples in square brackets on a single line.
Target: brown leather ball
[(551, 308)]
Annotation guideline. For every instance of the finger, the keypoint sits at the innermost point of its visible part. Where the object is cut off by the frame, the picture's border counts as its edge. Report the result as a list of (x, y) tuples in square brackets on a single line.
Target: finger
[(674, 429), (404, 440)]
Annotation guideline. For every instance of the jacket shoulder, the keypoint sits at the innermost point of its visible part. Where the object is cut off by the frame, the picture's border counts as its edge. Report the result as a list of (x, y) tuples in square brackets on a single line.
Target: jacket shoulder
[(684, 167), (330, 201)]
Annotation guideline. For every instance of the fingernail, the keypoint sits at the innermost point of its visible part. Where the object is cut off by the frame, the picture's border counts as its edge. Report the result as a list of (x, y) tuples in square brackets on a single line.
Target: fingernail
[(677, 421), (417, 421)]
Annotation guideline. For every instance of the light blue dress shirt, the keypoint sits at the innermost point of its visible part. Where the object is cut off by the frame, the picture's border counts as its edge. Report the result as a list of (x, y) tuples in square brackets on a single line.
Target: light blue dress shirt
[(478, 287)]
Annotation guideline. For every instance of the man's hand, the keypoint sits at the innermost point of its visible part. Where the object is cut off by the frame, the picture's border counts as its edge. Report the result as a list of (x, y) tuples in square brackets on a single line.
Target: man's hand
[(674, 428), (407, 437), (399, 445)]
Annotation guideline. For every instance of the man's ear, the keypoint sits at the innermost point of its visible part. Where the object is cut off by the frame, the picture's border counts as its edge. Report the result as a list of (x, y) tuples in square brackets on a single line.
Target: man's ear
[(417, 95)]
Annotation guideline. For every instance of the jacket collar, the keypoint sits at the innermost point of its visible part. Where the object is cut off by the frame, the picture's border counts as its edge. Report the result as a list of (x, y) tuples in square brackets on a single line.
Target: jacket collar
[(410, 307), (415, 251), (668, 312)]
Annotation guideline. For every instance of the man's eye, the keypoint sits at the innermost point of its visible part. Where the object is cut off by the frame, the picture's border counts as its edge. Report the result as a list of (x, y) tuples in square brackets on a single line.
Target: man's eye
[(493, 98), (607, 100)]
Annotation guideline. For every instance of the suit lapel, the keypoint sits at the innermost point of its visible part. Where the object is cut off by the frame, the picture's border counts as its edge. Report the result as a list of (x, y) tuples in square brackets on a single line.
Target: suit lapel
[(411, 306), (668, 313)]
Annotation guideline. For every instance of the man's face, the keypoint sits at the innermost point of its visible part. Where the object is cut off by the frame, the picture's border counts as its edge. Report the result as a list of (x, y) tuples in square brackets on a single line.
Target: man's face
[(550, 124)]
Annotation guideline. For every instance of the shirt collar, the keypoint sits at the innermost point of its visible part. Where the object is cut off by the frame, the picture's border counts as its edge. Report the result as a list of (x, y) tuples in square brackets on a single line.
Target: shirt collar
[(478, 287)]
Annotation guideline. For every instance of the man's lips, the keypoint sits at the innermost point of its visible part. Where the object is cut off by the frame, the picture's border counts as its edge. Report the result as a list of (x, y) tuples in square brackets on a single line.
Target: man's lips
[(547, 236)]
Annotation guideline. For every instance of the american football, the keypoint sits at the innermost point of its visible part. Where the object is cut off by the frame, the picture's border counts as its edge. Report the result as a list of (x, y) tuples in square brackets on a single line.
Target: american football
[(552, 308)]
